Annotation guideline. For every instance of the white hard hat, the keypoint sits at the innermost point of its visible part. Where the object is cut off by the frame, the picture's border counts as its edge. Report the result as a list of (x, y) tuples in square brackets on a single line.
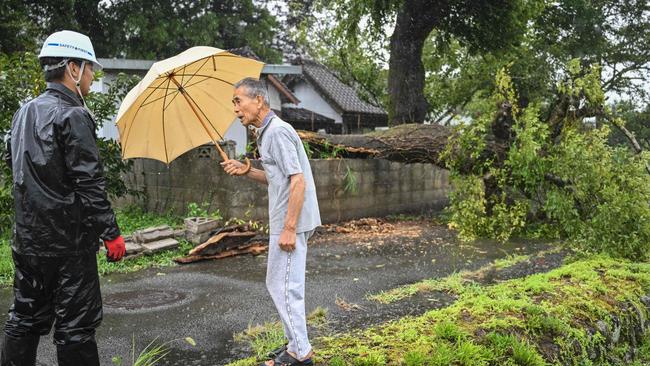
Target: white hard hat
[(68, 44)]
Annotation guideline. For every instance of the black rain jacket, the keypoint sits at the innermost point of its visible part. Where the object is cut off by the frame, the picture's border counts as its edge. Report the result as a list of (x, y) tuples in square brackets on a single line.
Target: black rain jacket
[(58, 183)]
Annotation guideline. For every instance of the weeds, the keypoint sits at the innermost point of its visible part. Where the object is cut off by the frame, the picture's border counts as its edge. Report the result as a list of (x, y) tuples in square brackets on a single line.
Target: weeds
[(151, 354), (506, 323), (269, 336)]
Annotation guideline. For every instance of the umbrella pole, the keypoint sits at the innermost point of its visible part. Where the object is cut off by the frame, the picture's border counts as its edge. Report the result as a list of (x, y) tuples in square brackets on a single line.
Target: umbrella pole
[(223, 154)]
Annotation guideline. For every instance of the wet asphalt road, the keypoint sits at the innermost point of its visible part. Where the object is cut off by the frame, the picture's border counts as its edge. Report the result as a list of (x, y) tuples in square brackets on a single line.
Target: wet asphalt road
[(210, 301)]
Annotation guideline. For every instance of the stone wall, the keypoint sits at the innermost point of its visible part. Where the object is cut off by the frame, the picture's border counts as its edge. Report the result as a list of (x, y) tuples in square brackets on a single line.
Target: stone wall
[(347, 188)]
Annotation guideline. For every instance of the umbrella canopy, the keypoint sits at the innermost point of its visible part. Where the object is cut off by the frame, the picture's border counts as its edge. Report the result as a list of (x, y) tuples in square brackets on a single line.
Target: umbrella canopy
[(181, 103)]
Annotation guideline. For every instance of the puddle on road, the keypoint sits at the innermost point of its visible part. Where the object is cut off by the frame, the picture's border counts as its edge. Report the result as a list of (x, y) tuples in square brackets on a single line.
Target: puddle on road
[(144, 299)]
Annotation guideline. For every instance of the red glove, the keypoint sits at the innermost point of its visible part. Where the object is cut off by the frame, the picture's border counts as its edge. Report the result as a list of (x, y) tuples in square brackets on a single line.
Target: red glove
[(115, 249)]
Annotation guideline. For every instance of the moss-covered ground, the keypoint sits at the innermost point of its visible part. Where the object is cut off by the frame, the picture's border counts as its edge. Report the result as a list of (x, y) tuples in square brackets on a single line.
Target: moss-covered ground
[(544, 319)]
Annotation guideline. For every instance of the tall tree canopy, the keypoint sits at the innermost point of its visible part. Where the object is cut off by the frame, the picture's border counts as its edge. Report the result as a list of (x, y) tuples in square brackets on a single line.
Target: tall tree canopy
[(480, 25), (451, 50), (142, 29)]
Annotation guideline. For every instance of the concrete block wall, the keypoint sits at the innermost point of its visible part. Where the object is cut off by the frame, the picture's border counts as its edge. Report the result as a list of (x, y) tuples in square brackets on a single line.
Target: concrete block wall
[(380, 187)]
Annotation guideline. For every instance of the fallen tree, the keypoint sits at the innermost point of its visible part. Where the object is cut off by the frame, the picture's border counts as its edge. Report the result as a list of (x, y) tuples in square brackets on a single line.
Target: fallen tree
[(541, 168), (410, 143)]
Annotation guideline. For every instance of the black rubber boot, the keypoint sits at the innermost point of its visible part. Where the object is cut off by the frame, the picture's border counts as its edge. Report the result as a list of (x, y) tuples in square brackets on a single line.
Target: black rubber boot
[(77, 354), (19, 351)]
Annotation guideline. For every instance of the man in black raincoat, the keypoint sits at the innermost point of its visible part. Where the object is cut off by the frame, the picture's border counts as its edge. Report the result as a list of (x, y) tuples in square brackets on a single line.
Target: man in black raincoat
[(61, 212)]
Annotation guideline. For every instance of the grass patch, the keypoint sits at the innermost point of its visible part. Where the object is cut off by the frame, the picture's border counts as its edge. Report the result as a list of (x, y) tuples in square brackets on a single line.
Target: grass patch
[(6, 261), (160, 259), (134, 218), (510, 323), (129, 220), (454, 283), (264, 338), (510, 261)]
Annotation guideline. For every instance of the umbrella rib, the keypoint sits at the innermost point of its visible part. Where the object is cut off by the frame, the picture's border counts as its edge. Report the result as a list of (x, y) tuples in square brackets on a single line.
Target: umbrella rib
[(128, 132), (191, 76), (212, 77), (197, 82), (150, 94), (206, 77), (172, 91), (170, 102), (204, 115)]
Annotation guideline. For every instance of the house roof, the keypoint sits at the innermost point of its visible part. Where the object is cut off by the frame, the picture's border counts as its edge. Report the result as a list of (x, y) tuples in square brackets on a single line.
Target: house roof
[(337, 92), (282, 87), (303, 115)]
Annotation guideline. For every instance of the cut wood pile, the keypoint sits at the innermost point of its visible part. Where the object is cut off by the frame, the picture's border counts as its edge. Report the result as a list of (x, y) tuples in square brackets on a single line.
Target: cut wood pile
[(227, 242)]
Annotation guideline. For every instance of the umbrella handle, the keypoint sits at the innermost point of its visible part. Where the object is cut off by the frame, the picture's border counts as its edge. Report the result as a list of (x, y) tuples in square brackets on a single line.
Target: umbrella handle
[(246, 168)]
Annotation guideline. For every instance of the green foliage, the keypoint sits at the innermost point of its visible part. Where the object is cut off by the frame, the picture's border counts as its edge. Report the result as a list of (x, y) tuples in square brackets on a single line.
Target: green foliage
[(202, 210), (142, 29), (132, 218), (493, 325), (536, 38), (329, 151), (18, 32), (357, 61), (151, 354), (270, 335), (194, 210), (350, 181), (635, 121), (104, 107), (308, 150), (21, 79), (262, 338), (156, 260), (6, 260), (601, 203)]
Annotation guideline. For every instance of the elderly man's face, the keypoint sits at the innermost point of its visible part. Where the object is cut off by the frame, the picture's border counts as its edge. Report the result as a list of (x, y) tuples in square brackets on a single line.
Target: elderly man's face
[(246, 108)]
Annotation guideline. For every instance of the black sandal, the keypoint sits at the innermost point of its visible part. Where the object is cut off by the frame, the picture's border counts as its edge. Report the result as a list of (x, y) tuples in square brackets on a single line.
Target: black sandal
[(285, 359), (276, 352)]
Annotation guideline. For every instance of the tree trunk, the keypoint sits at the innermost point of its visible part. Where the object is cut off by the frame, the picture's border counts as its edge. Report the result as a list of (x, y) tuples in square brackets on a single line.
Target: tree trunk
[(408, 143), (415, 20)]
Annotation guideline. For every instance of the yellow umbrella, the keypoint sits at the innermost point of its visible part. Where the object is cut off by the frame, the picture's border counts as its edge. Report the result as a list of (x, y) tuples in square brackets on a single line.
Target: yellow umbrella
[(181, 103)]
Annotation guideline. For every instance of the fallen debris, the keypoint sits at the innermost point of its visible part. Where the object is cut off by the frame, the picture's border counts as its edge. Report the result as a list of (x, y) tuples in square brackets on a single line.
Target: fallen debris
[(227, 242), (200, 229), (346, 306), (368, 225), (153, 234), (254, 249), (152, 240)]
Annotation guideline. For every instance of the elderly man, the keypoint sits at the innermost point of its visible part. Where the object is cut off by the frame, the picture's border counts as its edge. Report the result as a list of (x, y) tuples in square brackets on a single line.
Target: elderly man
[(293, 214)]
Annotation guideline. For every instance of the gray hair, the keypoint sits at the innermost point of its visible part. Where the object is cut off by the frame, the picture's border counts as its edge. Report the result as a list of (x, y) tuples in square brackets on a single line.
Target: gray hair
[(254, 88)]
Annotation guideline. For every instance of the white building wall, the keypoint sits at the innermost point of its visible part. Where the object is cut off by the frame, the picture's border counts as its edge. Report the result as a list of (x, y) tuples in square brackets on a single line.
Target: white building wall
[(237, 133), (310, 99), (274, 96)]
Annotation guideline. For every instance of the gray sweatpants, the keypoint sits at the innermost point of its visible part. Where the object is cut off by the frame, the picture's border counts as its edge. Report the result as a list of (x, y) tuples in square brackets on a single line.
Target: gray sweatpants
[(285, 281)]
